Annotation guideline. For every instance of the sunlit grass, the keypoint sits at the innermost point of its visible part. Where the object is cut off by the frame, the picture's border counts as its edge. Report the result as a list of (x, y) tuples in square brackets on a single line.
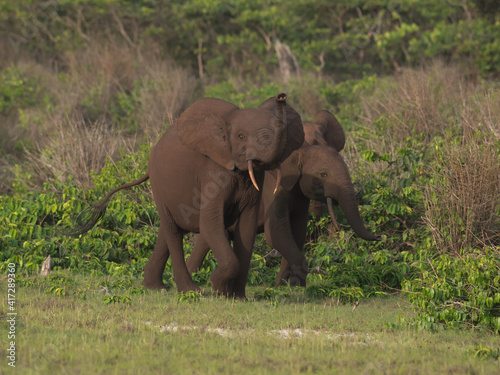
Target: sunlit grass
[(158, 332)]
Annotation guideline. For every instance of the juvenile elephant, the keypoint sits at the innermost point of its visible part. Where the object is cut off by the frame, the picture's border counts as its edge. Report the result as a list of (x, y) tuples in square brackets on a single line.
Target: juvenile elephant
[(325, 130), (203, 172), (311, 172)]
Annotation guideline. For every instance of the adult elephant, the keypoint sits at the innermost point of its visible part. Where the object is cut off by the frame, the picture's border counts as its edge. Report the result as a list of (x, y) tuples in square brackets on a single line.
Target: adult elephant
[(311, 173), (205, 174)]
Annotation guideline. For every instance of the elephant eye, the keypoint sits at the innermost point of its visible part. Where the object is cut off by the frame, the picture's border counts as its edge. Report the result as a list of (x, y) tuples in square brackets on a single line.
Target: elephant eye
[(323, 174), (241, 136)]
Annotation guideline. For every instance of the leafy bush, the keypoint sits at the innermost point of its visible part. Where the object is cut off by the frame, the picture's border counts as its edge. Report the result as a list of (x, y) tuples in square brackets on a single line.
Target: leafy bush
[(456, 291), (17, 90), (250, 97), (116, 298), (23, 100), (348, 270), (31, 226), (59, 283), (190, 296)]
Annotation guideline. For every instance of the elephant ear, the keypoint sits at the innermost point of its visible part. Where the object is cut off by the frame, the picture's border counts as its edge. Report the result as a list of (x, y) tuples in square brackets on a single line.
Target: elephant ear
[(203, 128), (290, 170), (295, 130), (333, 133)]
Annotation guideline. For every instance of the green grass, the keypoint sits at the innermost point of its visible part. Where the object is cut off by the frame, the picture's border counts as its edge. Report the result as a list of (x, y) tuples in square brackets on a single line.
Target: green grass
[(283, 333)]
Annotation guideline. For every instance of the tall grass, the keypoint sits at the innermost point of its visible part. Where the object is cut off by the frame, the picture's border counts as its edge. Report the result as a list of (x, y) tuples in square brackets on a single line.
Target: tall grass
[(419, 100), (87, 106), (454, 119), (462, 206), (75, 148), (113, 82)]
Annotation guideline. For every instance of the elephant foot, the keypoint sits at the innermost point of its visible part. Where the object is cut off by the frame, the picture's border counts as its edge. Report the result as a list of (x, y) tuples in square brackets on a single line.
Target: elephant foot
[(280, 282), (222, 288), (292, 282), (293, 275), (222, 282), (297, 281), (188, 287), (289, 279), (154, 285), (240, 295)]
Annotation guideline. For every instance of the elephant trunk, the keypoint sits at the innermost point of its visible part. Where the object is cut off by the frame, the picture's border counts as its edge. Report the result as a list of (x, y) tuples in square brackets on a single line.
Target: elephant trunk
[(277, 147), (349, 205), (273, 153)]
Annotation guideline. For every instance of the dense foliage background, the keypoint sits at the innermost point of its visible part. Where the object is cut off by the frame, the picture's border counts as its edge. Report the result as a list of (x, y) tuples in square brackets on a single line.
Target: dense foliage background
[(87, 86)]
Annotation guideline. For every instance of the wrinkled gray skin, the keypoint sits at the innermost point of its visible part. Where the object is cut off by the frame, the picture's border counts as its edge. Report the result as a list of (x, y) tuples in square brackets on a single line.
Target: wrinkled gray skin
[(204, 172), (325, 130), (311, 173)]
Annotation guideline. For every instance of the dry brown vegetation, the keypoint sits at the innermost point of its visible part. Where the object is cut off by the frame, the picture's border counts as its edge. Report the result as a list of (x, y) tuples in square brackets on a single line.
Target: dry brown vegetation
[(96, 101), (75, 148), (462, 206), (422, 100), (456, 116)]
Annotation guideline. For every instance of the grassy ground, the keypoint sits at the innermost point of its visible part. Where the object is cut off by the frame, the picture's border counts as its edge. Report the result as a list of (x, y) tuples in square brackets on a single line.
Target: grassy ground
[(161, 332)]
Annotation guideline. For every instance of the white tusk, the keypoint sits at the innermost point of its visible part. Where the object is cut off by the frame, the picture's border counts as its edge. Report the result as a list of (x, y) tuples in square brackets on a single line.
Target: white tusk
[(330, 211), (252, 177), (278, 179)]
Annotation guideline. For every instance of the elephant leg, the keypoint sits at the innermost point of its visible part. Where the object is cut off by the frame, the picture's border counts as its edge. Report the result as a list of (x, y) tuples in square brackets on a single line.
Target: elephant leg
[(295, 272), (200, 251), (285, 231), (227, 268), (182, 276), (283, 274), (153, 271), (212, 229), (243, 241)]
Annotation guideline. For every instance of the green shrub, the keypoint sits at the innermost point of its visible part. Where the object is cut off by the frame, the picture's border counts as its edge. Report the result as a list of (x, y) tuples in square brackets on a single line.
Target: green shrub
[(59, 283), (31, 227), (17, 91), (116, 298), (456, 291), (347, 269), (190, 296)]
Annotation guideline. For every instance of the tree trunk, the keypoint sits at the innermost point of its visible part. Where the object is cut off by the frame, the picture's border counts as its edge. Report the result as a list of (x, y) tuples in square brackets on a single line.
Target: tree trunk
[(289, 67)]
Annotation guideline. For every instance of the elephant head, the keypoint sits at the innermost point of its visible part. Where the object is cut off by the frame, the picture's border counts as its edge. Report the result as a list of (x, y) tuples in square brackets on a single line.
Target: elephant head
[(323, 176), (324, 130), (242, 138)]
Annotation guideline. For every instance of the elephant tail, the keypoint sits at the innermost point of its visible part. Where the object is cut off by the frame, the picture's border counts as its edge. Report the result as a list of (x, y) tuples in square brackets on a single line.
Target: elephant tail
[(89, 216)]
